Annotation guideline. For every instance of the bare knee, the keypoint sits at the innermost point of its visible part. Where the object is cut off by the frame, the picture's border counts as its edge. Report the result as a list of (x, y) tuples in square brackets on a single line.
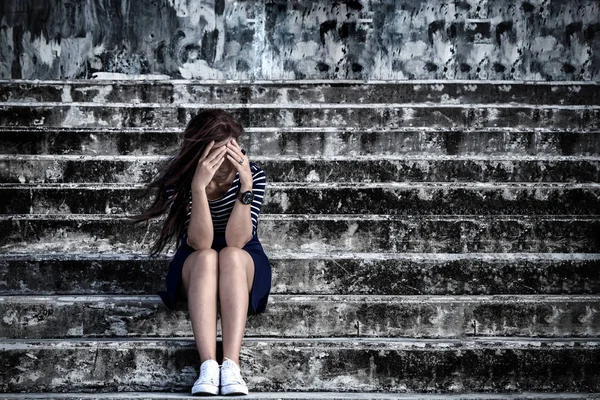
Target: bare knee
[(202, 261), (232, 259)]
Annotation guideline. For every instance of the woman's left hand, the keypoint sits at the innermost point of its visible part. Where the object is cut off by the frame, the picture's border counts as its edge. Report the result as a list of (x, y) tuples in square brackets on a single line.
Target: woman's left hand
[(241, 163)]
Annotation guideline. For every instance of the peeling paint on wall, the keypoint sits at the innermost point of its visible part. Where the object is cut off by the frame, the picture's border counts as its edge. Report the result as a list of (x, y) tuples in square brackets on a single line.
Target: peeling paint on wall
[(378, 39)]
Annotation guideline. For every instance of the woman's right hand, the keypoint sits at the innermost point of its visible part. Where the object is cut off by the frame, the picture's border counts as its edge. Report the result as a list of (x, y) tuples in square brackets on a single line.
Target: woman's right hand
[(208, 164)]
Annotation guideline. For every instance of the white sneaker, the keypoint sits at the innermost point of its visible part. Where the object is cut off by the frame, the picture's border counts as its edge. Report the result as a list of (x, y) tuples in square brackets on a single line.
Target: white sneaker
[(231, 379), (208, 381)]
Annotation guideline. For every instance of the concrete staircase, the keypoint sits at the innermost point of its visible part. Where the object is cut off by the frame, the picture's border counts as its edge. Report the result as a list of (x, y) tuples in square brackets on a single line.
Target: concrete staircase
[(428, 238)]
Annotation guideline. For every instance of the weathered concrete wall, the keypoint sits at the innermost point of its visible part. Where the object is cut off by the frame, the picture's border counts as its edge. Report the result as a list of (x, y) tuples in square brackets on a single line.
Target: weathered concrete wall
[(359, 39)]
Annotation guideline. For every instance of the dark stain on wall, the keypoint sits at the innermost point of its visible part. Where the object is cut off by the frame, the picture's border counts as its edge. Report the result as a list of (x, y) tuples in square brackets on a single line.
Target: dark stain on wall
[(276, 39)]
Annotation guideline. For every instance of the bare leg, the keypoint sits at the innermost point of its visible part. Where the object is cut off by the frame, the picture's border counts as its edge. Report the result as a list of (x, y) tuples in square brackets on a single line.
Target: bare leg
[(200, 276), (236, 274)]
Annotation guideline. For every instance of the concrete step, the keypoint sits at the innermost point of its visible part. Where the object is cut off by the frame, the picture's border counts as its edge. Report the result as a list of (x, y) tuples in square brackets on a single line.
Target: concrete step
[(386, 365), (306, 91), (321, 142), (142, 169), (328, 198), (37, 317), (321, 233), (356, 115), (318, 273), (304, 396)]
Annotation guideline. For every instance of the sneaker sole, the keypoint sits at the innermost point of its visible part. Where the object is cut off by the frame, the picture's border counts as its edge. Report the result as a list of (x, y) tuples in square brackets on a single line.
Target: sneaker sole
[(234, 389), (204, 389)]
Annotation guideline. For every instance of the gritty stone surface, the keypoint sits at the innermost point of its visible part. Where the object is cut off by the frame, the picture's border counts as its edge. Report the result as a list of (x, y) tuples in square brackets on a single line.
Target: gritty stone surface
[(132, 171), (426, 237), (411, 199), (317, 273), (383, 39), (185, 92), (341, 365), (322, 233), (303, 396), (316, 142), (381, 116), (311, 316)]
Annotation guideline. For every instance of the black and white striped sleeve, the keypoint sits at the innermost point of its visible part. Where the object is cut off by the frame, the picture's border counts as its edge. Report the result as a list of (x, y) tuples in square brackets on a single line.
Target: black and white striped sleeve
[(259, 184)]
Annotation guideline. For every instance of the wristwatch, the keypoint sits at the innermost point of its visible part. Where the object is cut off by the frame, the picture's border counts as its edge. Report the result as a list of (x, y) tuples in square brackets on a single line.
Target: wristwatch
[(246, 197)]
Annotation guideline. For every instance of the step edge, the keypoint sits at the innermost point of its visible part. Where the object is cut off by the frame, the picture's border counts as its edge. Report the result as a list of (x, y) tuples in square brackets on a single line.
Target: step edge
[(311, 395), (296, 129), (284, 159), (321, 185), (301, 82), (298, 106), (320, 217), (502, 299), (153, 342), (294, 255)]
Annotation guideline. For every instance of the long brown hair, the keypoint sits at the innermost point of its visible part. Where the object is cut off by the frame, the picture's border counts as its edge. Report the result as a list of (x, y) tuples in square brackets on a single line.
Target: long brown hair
[(175, 179)]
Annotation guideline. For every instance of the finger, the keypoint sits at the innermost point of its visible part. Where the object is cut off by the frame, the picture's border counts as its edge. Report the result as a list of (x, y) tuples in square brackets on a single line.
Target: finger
[(236, 156), (235, 162), (217, 160), (207, 149), (216, 154), (218, 164), (236, 144), (235, 152), (215, 150)]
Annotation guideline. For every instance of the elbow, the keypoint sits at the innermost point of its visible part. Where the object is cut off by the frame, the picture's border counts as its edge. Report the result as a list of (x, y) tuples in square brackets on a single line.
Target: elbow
[(237, 241), (197, 244)]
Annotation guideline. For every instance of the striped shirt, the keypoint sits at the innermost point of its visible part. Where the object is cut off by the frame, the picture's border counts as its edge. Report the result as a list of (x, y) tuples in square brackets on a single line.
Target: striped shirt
[(220, 209)]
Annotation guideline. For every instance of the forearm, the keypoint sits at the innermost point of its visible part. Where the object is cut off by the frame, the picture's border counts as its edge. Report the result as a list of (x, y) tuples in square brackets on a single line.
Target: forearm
[(200, 230), (239, 226)]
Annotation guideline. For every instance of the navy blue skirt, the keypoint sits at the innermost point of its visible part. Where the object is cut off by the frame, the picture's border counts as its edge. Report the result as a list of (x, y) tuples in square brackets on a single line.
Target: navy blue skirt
[(261, 287)]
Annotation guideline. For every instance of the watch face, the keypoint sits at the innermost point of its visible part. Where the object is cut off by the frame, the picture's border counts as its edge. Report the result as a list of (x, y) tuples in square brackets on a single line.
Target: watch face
[(247, 197)]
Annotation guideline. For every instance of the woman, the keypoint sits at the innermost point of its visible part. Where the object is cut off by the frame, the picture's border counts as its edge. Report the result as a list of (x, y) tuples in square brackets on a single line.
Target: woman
[(213, 195)]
